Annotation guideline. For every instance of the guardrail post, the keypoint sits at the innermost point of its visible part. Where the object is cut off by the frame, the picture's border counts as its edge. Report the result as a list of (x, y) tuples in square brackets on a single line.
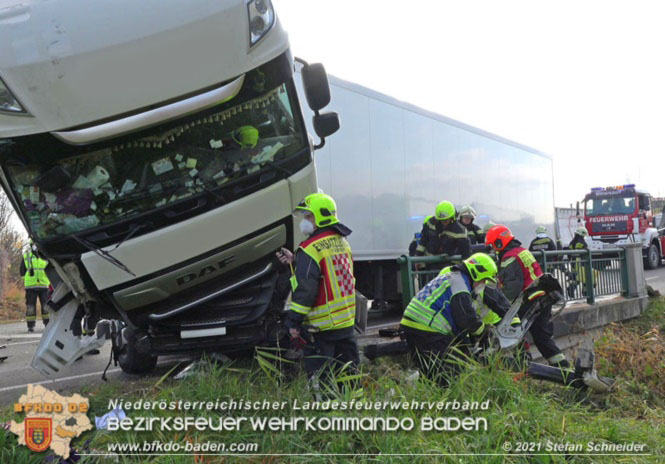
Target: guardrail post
[(637, 284), (407, 279), (624, 273), (588, 271)]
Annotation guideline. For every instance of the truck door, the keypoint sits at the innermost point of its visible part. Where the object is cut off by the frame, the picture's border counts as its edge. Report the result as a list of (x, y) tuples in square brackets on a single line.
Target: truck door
[(644, 211)]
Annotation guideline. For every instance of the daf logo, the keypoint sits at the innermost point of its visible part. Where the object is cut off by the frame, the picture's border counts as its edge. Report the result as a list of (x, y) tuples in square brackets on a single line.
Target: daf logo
[(205, 271)]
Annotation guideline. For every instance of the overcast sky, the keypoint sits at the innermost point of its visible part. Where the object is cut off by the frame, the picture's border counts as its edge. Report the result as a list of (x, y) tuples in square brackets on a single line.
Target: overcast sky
[(581, 80)]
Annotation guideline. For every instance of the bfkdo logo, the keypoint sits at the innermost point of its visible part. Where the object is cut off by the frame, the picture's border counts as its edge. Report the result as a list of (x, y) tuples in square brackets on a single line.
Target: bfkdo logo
[(38, 433), (51, 420)]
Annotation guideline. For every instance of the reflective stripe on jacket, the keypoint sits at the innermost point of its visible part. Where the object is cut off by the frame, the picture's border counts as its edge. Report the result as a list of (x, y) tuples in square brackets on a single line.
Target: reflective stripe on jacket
[(430, 309), (38, 279), (530, 267), (335, 305), (486, 314)]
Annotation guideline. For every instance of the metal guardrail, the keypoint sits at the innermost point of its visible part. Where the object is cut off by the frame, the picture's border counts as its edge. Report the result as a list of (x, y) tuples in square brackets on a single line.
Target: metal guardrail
[(583, 274), (587, 274)]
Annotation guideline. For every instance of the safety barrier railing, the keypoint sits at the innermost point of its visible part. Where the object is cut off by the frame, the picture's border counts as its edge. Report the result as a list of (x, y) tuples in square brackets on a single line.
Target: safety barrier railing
[(416, 271), (587, 274), (583, 274)]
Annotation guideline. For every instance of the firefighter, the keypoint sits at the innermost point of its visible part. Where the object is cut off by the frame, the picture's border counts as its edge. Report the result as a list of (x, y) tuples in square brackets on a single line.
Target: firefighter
[(33, 270), (466, 217), (578, 242), (542, 241), (414, 244), (323, 286), (442, 317), (490, 297), (518, 270), (576, 275), (442, 234)]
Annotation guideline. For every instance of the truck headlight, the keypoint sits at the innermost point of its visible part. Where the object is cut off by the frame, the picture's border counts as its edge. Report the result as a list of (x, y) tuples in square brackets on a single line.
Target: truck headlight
[(8, 102), (261, 19)]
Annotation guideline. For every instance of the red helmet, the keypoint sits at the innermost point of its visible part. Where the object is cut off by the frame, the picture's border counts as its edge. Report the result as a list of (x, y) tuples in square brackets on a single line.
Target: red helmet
[(499, 237)]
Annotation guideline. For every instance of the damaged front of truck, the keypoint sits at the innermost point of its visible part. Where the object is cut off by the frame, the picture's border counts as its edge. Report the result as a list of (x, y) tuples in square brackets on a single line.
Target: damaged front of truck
[(155, 159)]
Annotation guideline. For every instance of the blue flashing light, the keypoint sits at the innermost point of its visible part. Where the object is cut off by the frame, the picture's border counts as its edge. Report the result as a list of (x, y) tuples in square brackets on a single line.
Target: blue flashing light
[(596, 189), (629, 186)]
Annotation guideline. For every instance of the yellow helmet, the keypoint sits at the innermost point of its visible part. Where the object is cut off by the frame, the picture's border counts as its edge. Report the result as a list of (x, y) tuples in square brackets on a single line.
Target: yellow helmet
[(488, 226), (246, 136), (322, 206), (481, 266), (445, 210)]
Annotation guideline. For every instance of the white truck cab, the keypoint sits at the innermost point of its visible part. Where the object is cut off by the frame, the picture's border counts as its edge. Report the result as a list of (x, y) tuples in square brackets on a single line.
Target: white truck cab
[(154, 151)]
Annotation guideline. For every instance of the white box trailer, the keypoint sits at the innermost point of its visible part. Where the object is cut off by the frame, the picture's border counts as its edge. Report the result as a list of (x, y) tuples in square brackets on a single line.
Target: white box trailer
[(392, 162)]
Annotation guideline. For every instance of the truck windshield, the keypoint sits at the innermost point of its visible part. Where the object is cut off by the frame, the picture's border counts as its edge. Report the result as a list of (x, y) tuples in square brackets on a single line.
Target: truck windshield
[(610, 205), (65, 189)]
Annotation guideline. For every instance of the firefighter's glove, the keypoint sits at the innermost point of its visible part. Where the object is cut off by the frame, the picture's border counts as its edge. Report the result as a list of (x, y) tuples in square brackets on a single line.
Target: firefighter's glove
[(481, 339), (419, 266), (293, 320), (297, 343)]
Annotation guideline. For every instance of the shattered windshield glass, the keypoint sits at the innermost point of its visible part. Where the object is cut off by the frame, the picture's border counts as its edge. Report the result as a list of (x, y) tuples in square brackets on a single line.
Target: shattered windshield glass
[(158, 167)]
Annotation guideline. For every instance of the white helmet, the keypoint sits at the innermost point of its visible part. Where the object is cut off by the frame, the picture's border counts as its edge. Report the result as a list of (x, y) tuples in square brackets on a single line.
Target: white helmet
[(466, 211), (581, 231)]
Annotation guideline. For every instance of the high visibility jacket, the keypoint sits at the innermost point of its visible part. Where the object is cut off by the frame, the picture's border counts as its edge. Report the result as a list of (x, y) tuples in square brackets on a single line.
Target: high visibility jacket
[(35, 266), (528, 269), (485, 313), (578, 243), (335, 305), (431, 311), (542, 243)]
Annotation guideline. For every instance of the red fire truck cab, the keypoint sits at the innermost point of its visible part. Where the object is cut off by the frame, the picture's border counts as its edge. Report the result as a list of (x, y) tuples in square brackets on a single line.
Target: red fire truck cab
[(620, 215)]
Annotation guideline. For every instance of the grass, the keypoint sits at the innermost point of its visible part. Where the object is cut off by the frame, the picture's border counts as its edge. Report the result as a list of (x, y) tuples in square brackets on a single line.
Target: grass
[(12, 305), (520, 411)]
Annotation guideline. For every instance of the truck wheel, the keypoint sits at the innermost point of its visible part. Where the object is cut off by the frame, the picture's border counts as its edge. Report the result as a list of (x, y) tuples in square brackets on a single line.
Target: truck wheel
[(653, 257), (133, 361)]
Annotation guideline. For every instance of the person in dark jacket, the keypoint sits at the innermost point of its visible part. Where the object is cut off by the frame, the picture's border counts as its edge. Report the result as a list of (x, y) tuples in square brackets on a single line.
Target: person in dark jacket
[(542, 241), (576, 274), (578, 242), (518, 269), (414, 244), (442, 234), (466, 216), (323, 303)]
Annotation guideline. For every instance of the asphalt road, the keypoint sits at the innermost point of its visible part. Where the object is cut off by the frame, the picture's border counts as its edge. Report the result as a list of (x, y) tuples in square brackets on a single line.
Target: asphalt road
[(656, 278), (15, 372), (19, 346)]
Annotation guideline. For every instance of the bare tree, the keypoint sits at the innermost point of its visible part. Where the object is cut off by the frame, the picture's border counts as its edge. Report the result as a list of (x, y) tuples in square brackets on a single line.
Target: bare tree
[(11, 242)]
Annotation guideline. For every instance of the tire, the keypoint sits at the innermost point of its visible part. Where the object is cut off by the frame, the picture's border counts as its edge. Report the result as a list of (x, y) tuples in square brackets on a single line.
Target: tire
[(652, 260), (133, 361)]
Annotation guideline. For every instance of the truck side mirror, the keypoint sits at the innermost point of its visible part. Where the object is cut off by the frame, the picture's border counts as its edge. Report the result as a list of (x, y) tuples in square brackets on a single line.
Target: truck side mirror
[(326, 124), (317, 90)]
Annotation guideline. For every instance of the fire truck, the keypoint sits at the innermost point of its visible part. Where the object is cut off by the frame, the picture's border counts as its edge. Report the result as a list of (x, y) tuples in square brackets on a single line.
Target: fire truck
[(623, 214)]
